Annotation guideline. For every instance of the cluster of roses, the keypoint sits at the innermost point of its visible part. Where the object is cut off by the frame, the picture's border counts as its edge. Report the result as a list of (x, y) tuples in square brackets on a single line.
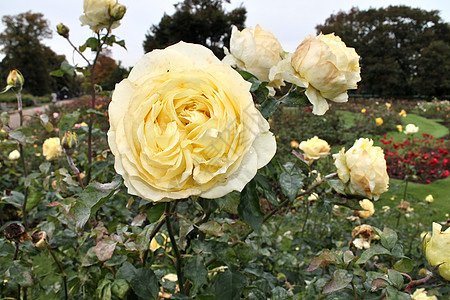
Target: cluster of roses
[(423, 160)]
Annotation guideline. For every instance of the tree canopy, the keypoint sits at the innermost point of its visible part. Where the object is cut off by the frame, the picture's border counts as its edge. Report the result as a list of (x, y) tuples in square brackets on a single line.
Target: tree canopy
[(202, 22), (404, 50), (23, 49)]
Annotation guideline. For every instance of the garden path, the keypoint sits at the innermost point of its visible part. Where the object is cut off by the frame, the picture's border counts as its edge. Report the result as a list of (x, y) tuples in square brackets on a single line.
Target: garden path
[(14, 118)]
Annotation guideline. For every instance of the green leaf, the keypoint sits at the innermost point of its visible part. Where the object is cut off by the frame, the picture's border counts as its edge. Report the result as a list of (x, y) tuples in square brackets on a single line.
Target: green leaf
[(18, 136), (57, 73), (34, 198), (348, 256), (323, 259), (296, 98), (196, 272), (393, 294), (249, 209), (268, 107), (337, 185), (104, 290), (339, 281), (229, 202), (229, 285), (212, 228), (120, 288), (156, 212), (67, 121), (388, 238), (45, 167), (145, 284), (379, 283), (404, 265), (264, 183), (290, 185), (396, 278), (4, 118), (371, 252), (90, 200), (127, 271), (92, 43)]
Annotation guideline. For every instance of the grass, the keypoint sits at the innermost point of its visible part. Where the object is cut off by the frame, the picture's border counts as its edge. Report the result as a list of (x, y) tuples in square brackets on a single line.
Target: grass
[(416, 193)]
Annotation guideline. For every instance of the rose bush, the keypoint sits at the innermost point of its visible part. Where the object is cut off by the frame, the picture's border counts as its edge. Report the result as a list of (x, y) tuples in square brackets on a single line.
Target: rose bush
[(364, 166), (184, 124)]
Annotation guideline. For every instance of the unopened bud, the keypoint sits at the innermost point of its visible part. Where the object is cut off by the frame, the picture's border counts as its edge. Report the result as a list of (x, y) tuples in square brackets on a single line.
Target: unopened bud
[(63, 30), (15, 79), (117, 11), (69, 140)]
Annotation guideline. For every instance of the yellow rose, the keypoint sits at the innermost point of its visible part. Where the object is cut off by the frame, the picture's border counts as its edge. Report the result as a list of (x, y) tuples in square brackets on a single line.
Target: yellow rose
[(254, 50), (429, 198), (183, 123), (402, 113), (411, 129), (52, 148), (328, 67), (363, 111), (379, 121), (437, 250), (14, 155), (369, 209), (399, 128), (315, 148), (421, 294), (365, 167), (97, 14)]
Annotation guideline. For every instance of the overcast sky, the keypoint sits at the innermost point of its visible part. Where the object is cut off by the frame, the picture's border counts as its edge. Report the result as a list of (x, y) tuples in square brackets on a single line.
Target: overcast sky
[(289, 20)]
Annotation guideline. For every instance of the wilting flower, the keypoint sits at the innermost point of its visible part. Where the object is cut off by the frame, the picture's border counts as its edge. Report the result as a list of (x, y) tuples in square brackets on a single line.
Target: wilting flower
[(379, 121), (362, 236), (411, 129), (369, 209), (315, 148), (429, 198), (254, 50), (437, 250), (325, 66), (14, 155), (51, 148), (365, 167), (421, 294), (184, 124)]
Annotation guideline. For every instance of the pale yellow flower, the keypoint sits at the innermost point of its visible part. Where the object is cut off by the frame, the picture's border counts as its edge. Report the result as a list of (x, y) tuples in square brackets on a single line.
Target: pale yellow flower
[(399, 128), (402, 113), (437, 250), (369, 209), (379, 121), (97, 14), (364, 166), (184, 123), (411, 129), (14, 155), (51, 148), (315, 148), (388, 105), (429, 198), (253, 50), (421, 294)]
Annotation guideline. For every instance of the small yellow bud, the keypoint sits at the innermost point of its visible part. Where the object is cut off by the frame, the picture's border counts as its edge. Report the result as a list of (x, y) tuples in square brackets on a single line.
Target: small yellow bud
[(117, 11), (15, 79), (69, 140), (63, 30)]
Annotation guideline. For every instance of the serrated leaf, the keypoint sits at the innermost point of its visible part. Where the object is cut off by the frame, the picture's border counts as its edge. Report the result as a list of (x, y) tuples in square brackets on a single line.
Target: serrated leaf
[(388, 238), (249, 208), (296, 97), (229, 285), (196, 272), (379, 283), (393, 294), (105, 249), (18, 136), (229, 202), (212, 228), (156, 212), (268, 107), (120, 288), (145, 284), (396, 278), (34, 198), (348, 256), (339, 281), (371, 252), (404, 265), (290, 185), (67, 121), (337, 185), (90, 200)]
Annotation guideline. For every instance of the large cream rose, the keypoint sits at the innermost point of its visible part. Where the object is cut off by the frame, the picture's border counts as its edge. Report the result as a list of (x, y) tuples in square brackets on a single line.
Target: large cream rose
[(365, 167), (184, 124), (315, 148), (254, 50), (437, 250), (325, 66), (97, 14), (52, 148)]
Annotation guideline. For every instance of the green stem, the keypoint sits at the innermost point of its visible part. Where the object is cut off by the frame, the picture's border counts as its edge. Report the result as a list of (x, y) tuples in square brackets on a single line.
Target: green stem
[(178, 263), (74, 168), (306, 217), (64, 275), (22, 156)]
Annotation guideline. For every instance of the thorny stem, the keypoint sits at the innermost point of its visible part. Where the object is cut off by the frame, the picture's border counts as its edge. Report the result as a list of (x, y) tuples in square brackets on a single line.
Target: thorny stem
[(275, 210), (175, 249), (64, 275), (74, 168), (414, 283)]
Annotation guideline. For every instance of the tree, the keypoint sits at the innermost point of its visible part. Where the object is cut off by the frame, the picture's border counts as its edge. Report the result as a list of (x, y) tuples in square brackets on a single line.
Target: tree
[(391, 42), (202, 22), (23, 49)]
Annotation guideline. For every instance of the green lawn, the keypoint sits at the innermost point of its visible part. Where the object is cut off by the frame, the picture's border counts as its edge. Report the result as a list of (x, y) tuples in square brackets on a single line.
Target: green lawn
[(425, 126)]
